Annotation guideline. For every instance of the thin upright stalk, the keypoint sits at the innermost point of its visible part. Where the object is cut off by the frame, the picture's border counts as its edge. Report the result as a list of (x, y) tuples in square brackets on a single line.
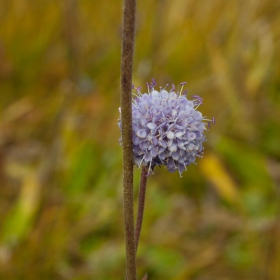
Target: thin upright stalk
[(126, 115), (141, 204)]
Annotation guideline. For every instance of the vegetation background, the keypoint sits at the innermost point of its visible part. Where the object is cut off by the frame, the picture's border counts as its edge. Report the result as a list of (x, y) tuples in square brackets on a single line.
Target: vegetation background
[(60, 161)]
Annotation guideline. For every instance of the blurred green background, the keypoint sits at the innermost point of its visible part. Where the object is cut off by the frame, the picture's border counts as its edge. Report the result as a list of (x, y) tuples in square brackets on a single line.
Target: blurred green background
[(60, 161)]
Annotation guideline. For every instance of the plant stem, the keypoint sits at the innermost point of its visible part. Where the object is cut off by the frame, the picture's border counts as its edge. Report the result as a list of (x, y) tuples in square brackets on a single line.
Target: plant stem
[(126, 115), (141, 204)]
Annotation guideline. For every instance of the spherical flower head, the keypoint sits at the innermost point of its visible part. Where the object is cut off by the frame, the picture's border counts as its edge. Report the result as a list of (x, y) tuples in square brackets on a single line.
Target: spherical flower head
[(167, 128)]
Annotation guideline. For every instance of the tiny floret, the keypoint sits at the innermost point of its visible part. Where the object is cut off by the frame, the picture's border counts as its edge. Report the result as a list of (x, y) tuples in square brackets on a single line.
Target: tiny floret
[(167, 128)]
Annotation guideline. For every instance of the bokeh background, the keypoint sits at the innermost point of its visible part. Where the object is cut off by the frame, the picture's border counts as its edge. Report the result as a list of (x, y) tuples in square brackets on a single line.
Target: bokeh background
[(60, 161)]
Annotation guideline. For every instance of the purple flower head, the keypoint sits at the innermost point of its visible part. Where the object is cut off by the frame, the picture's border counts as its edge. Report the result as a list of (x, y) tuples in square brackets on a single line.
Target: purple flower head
[(167, 128)]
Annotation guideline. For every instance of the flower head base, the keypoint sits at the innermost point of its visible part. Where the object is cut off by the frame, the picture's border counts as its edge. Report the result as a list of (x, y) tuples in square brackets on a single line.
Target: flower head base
[(167, 128)]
